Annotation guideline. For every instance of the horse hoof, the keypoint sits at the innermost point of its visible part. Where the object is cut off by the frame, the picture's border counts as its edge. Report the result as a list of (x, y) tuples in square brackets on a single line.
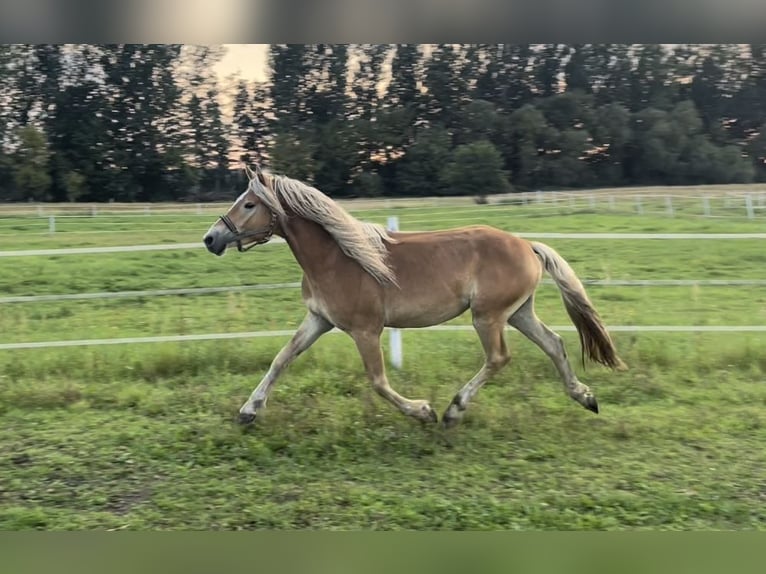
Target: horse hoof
[(591, 404), (427, 415), (246, 418), (451, 417), (449, 422)]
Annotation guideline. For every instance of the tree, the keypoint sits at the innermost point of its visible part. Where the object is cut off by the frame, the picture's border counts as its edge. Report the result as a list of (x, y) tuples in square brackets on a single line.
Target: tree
[(30, 165), (671, 148), (403, 90), (244, 125), (513, 81), (652, 82), (200, 132), (614, 79), (563, 165), (217, 149), (77, 130), (547, 66), (757, 151), (611, 134), (335, 158), (475, 169), (419, 172), (294, 156), (402, 104), (576, 72), (288, 97), (447, 89), (480, 120), (141, 93), (527, 136)]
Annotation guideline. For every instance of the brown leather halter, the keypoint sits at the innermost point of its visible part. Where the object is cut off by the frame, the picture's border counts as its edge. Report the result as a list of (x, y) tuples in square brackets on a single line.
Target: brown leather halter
[(240, 235)]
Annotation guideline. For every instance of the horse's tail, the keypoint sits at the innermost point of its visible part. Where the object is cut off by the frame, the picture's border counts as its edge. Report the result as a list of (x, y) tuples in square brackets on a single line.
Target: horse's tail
[(594, 338)]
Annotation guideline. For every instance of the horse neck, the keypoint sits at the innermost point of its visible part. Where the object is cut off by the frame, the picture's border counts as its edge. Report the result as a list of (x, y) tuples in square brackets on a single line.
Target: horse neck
[(312, 246)]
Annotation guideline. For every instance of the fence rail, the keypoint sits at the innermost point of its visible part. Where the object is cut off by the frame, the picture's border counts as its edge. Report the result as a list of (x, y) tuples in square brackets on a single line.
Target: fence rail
[(277, 240), (287, 333), (140, 208), (394, 333), (53, 297)]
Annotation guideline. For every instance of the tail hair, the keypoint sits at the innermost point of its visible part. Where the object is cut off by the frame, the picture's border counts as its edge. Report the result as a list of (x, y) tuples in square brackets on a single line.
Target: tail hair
[(594, 338)]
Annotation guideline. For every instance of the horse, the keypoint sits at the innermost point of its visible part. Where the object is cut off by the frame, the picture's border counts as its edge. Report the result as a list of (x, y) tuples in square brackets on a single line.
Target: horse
[(360, 278)]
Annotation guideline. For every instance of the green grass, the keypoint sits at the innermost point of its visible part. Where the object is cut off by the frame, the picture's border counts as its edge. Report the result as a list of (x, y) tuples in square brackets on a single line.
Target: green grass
[(142, 436)]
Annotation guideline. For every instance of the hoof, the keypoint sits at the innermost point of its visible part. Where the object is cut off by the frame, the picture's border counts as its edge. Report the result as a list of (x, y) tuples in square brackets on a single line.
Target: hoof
[(451, 416), (246, 418), (449, 422), (431, 416), (591, 404)]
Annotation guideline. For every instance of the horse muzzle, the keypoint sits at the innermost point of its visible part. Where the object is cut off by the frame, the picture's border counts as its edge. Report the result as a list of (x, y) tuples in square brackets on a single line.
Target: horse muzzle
[(214, 244)]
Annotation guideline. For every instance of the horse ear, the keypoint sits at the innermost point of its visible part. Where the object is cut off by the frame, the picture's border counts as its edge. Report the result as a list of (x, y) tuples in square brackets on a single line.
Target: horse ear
[(259, 174), (249, 172)]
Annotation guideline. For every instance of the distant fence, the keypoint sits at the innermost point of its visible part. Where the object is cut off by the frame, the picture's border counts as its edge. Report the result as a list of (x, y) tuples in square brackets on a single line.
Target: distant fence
[(705, 201), (743, 205)]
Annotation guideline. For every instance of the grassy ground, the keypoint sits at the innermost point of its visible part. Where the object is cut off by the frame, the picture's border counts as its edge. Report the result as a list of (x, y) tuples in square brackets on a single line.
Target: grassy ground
[(142, 436)]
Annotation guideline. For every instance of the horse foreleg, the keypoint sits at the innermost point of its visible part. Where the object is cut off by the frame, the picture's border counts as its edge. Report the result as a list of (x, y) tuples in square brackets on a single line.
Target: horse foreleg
[(368, 345), (310, 330)]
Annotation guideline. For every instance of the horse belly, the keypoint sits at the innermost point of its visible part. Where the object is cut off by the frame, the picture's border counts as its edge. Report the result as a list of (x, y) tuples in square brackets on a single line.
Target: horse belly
[(423, 311)]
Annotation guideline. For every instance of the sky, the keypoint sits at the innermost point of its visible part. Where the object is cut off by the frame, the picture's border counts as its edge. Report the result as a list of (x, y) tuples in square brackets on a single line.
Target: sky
[(247, 59)]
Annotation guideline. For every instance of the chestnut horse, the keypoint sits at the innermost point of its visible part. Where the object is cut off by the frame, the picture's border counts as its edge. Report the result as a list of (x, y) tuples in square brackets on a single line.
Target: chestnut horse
[(360, 278)]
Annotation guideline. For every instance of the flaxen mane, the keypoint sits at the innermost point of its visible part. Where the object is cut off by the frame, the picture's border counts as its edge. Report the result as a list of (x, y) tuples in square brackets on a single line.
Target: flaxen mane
[(363, 242)]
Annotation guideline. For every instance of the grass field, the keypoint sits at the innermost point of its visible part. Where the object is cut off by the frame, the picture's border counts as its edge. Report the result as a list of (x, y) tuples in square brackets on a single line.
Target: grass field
[(142, 436)]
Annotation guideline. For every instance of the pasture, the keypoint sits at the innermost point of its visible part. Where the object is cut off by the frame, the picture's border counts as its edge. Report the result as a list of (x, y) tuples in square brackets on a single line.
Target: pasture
[(142, 436)]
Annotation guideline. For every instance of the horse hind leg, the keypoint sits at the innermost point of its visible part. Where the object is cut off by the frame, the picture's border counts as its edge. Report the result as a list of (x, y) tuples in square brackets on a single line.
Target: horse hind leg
[(525, 320)]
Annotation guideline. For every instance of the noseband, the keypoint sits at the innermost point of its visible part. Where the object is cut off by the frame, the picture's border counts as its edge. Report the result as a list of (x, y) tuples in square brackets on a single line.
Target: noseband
[(240, 235)]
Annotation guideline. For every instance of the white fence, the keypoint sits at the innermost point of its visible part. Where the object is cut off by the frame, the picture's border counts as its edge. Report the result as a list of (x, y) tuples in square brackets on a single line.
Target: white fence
[(395, 341), (286, 333), (53, 297), (277, 240)]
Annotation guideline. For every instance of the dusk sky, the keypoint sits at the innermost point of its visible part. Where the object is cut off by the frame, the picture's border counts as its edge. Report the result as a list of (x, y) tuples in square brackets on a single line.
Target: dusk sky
[(247, 59)]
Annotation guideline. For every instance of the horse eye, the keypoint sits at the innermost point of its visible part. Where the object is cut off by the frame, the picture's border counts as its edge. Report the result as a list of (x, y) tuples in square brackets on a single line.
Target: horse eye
[(249, 205)]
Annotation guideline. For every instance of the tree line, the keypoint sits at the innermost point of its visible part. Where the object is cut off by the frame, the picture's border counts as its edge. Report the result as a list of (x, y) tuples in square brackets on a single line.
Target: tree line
[(135, 122)]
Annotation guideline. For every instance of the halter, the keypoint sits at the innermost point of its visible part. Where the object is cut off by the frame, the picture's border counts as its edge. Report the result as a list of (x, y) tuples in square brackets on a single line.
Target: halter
[(240, 235)]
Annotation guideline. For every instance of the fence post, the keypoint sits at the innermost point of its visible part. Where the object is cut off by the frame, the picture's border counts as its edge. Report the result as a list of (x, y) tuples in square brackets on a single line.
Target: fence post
[(51, 224), (592, 200), (199, 209), (39, 211), (395, 335), (147, 210), (669, 203), (749, 206), (639, 206), (93, 211), (706, 205), (539, 196), (611, 203)]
